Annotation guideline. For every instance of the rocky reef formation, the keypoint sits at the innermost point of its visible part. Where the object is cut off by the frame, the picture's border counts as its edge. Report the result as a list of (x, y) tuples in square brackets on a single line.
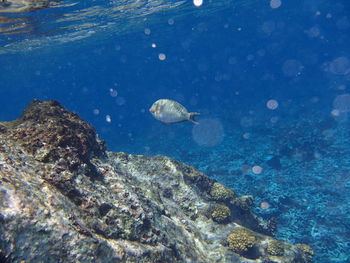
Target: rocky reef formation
[(15, 6), (64, 198)]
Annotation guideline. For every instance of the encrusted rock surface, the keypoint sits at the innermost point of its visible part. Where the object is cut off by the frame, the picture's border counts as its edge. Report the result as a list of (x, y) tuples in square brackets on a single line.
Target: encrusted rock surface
[(15, 6), (64, 198)]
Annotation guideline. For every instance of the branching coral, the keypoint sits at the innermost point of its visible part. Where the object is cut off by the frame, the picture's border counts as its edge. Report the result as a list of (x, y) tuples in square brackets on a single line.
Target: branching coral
[(241, 240), (307, 251), (275, 248), (221, 193), (220, 213)]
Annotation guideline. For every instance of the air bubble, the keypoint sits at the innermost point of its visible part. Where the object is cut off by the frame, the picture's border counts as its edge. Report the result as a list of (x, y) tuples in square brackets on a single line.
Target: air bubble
[(113, 92), (264, 205), (108, 118), (162, 56), (197, 2), (275, 3), (147, 31), (257, 169), (272, 104)]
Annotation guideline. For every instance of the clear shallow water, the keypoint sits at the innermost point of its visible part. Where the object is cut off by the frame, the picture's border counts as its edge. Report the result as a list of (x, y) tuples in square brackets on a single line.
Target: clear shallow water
[(227, 61), (60, 22)]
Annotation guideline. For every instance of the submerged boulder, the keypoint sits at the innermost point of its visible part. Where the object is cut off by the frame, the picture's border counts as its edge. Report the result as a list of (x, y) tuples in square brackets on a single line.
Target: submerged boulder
[(16, 6), (64, 198)]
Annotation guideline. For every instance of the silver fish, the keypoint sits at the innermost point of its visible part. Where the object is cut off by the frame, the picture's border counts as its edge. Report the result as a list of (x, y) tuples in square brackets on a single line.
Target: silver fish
[(169, 111)]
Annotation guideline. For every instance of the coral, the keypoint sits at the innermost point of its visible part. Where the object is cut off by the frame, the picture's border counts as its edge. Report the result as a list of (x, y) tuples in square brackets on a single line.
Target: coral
[(220, 213), (306, 251), (221, 193), (275, 248), (241, 240)]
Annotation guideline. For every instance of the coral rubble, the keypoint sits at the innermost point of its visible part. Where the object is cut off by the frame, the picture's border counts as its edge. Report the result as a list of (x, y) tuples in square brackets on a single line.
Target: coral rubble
[(63, 196)]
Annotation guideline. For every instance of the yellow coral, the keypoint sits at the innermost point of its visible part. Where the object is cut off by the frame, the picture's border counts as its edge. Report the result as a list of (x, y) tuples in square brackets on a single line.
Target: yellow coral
[(307, 251), (220, 213), (241, 240), (221, 193), (275, 248)]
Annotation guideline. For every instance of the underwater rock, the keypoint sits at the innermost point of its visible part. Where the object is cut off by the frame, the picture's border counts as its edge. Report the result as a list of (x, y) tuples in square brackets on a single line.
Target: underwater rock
[(63, 196), (16, 6)]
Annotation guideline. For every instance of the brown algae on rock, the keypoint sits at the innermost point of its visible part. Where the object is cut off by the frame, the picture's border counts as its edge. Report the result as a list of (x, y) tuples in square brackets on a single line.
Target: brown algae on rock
[(49, 133)]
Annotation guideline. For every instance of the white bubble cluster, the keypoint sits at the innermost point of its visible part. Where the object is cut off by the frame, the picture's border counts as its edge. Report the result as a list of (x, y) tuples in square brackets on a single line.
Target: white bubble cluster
[(275, 3), (108, 118), (272, 104)]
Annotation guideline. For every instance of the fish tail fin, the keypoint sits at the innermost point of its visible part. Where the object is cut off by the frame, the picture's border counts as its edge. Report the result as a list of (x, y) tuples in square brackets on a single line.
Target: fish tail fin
[(191, 117)]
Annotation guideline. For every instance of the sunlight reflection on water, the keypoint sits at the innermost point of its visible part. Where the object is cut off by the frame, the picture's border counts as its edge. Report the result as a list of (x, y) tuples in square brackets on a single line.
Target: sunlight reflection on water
[(28, 27)]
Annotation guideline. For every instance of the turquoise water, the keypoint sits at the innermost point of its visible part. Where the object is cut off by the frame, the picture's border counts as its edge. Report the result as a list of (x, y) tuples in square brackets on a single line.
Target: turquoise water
[(271, 80)]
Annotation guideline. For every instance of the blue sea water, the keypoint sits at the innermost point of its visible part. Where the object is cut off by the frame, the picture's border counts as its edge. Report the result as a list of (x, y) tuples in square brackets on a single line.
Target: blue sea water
[(271, 79)]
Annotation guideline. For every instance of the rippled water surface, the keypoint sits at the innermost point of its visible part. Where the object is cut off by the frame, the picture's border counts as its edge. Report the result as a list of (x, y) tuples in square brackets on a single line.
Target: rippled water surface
[(27, 26)]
